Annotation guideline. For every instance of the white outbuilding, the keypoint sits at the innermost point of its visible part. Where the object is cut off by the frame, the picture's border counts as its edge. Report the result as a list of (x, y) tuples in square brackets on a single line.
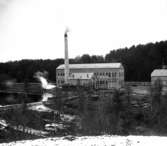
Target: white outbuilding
[(159, 74)]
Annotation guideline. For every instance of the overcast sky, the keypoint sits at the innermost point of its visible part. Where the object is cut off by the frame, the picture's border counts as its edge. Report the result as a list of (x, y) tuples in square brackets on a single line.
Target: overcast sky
[(33, 29)]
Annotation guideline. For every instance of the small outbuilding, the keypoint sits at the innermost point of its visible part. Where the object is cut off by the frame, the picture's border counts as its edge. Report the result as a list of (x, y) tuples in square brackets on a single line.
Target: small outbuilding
[(159, 74)]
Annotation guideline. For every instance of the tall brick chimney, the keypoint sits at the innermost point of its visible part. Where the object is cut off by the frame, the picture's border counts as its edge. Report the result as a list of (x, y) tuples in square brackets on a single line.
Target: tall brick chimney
[(66, 60)]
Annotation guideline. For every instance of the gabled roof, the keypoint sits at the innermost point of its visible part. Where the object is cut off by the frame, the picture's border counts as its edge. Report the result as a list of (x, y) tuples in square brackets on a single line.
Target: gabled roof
[(159, 73), (92, 65)]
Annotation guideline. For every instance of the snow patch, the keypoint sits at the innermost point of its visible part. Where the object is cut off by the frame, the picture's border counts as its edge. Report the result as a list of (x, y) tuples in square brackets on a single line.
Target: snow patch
[(95, 141)]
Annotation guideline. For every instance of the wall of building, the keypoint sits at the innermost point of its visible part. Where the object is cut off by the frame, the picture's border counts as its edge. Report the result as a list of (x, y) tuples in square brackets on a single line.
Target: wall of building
[(162, 78), (102, 77)]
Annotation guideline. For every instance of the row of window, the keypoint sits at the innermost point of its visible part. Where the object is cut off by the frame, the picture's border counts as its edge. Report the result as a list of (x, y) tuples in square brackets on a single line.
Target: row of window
[(60, 82), (60, 74), (106, 84), (100, 82), (106, 81), (109, 74)]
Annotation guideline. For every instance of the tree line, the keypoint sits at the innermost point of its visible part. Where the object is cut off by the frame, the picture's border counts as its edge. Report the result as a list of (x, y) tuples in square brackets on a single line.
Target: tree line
[(139, 61)]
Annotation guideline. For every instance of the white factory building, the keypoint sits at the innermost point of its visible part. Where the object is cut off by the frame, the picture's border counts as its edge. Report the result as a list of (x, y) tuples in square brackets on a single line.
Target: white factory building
[(98, 75)]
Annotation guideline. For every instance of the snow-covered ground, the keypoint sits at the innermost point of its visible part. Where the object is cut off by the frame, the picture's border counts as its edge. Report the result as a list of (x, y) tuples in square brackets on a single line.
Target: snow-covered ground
[(94, 141)]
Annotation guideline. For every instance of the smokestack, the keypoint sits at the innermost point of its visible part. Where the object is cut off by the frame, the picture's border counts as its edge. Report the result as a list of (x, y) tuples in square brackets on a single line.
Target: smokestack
[(66, 61)]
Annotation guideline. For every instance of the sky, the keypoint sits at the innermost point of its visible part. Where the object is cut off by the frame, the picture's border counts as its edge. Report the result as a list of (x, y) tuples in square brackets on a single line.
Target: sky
[(34, 29)]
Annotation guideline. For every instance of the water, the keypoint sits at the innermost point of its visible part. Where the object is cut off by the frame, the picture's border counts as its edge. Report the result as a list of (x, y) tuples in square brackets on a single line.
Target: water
[(45, 84)]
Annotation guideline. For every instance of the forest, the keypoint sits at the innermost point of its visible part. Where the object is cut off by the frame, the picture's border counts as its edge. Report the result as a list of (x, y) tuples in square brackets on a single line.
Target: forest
[(139, 61)]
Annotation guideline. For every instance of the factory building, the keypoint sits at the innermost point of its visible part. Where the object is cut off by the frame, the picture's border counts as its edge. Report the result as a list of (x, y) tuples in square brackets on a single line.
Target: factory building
[(100, 75), (97, 75)]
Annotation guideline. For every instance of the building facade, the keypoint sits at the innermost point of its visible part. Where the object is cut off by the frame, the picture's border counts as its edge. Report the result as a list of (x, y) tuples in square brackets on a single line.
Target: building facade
[(101, 75)]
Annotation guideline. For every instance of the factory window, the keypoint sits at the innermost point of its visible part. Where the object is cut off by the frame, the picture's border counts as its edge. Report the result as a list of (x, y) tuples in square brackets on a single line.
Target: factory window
[(120, 82), (106, 82), (114, 74), (114, 80), (62, 81), (109, 74), (120, 74), (96, 84)]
